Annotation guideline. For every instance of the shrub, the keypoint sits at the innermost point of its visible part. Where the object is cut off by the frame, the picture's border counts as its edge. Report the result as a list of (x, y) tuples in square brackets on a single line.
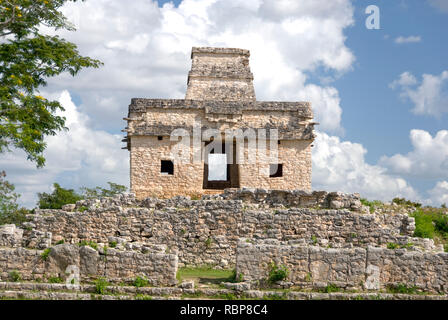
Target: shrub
[(441, 223), (15, 276), (277, 273), (101, 285), (91, 244), (140, 282), (403, 201), (55, 280), (371, 204), (60, 242), (57, 198), (424, 228), (331, 288), (113, 244), (45, 253)]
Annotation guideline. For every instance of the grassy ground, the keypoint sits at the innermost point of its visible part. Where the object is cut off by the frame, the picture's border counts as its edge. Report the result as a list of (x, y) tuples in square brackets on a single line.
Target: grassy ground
[(205, 275)]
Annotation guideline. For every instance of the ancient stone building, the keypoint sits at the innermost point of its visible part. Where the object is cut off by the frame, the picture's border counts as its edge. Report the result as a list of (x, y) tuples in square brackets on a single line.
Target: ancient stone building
[(221, 133)]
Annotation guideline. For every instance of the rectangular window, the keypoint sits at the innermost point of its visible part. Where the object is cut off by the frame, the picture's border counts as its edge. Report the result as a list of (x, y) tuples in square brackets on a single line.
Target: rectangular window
[(275, 170), (167, 167)]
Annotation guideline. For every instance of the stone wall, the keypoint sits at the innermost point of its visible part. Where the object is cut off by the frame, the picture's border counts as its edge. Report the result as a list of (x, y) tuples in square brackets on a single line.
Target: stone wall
[(207, 231), (115, 265), (349, 268)]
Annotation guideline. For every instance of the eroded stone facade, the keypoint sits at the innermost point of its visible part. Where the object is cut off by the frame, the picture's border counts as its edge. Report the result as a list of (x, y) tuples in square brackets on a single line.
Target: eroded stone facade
[(220, 95)]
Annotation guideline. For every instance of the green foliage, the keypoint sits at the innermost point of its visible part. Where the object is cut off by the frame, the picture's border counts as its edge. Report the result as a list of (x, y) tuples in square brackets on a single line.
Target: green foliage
[(113, 244), (314, 239), (392, 245), (89, 243), (45, 253), (401, 288), (424, 227), (27, 59), (403, 201), (98, 192), (441, 223), (140, 282), (10, 213), (55, 280), (101, 285), (277, 273), (57, 198), (15, 276), (208, 242), (331, 288), (372, 204), (60, 242)]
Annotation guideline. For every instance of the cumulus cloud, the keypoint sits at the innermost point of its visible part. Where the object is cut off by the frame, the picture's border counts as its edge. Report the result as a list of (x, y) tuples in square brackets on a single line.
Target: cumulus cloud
[(429, 97), (410, 39), (341, 165), (146, 53), (146, 50), (79, 157), (439, 194), (428, 159)]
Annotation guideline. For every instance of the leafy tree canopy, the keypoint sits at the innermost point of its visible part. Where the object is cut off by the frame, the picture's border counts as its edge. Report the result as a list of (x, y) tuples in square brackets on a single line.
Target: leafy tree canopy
[(27, 59), (9, 209), (61, 196)]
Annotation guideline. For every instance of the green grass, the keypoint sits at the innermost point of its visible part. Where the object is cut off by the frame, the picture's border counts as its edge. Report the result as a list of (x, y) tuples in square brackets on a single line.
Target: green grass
[(205, 274), (402, 288), (432, 223)]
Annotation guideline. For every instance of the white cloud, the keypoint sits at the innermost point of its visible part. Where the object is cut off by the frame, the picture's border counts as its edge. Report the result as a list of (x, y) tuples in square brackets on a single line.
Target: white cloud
[(439, 194), (428, 159), (341, 165), (430, 97), (78, 157), (442, 5), (410, 39), (146, 50), (406, 79)]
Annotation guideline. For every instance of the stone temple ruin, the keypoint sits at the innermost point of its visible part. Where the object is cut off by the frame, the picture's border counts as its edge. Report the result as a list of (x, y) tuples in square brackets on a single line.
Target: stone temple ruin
[(320, 239), (220, 95)]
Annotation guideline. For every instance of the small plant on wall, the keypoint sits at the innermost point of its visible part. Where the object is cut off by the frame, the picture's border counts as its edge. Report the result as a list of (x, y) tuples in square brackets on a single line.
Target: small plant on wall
[(277, 273)]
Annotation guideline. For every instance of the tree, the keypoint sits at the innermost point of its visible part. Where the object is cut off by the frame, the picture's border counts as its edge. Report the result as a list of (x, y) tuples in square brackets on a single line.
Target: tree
[(27, 59), (57, 198), (9, 209), (61, 196), (98, 192)]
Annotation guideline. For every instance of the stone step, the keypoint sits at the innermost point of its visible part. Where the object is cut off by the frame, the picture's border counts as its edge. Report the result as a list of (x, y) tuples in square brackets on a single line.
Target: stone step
[(48, 291)]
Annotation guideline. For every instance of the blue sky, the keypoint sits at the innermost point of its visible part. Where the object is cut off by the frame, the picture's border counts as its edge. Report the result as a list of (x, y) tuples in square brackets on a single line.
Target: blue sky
[(377, 136)]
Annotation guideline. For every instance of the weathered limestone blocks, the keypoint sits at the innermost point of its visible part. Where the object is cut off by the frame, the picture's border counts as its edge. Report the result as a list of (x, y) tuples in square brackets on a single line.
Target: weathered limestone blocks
[(10, 236), (351, 268), (207, 231), (159, 268), (292, 198)]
